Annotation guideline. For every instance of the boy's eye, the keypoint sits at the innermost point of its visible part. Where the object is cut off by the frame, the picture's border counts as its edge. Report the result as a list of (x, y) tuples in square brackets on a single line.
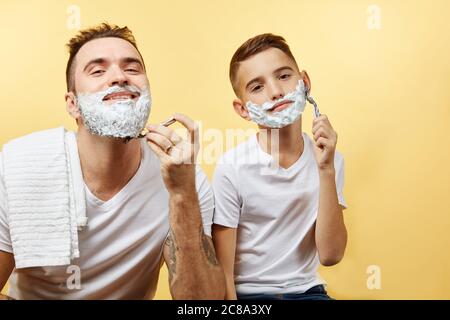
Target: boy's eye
[(97, 72), (131, 70), (285, 76), (256, 88)]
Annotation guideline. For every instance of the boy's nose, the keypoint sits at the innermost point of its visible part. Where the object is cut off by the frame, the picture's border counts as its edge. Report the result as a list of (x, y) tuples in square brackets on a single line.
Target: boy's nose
[(275, 91)]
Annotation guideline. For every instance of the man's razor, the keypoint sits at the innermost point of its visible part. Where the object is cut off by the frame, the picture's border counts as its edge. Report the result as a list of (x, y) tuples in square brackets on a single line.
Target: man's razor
[(166, 123)]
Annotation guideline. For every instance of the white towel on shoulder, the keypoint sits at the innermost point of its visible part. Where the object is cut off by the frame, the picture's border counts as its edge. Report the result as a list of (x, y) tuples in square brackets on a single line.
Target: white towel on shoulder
[(45, 197)]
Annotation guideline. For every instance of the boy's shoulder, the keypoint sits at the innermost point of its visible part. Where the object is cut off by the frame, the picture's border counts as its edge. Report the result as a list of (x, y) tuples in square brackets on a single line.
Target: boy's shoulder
[(245, 152)]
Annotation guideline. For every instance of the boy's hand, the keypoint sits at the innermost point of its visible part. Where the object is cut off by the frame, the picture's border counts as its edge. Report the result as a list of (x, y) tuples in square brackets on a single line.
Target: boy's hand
[(325, 139)]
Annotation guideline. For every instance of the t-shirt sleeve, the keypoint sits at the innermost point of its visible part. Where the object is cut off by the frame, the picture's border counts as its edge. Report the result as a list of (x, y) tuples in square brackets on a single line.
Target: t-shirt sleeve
[(340, 172), (5, 238), (205, 199), (226, 194)]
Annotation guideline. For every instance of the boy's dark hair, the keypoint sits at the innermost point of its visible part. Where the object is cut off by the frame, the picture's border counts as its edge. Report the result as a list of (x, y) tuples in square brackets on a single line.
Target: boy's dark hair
[(253, 46)]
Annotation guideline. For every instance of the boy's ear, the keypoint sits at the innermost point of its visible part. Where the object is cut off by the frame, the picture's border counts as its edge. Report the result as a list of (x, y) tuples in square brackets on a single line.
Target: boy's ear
[(306, 79), (71, 105), (241, 109)]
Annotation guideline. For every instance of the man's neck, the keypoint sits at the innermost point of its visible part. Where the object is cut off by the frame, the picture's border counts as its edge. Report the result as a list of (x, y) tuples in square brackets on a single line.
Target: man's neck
[(285, 144), (107, 163)]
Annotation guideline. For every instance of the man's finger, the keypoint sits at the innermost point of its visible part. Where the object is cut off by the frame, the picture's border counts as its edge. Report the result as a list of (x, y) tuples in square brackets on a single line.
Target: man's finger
[(159, 140), (189, 124), (170, 134), (157, 149)]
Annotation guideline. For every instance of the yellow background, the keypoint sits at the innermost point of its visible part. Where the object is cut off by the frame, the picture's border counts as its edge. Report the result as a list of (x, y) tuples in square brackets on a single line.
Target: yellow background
[(385, 91)]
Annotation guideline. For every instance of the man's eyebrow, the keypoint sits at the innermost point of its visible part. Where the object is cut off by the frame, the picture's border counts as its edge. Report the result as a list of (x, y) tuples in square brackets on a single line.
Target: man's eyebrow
[(94, 61), (126, 60)]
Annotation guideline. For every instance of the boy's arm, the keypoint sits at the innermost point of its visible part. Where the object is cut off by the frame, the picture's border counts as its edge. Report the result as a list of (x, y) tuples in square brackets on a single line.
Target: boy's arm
[(224, 239), (331, 234), (6, 267)]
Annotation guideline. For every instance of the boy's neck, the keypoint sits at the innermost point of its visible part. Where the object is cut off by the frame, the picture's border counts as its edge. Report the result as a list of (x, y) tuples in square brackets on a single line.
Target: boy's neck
[(285, 144)]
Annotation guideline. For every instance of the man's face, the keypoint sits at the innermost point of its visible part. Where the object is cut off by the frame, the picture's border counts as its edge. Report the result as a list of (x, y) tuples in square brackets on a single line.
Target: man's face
[(266, 76), (103, 63)]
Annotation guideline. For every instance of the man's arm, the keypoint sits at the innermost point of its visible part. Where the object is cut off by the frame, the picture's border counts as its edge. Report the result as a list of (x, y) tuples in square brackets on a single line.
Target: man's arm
[(194, 272), (7, 265), (331, 234), (224, 239)]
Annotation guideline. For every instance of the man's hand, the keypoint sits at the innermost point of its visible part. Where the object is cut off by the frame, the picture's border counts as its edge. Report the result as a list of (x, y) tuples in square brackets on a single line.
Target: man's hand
[(177, 155), (325, 139)]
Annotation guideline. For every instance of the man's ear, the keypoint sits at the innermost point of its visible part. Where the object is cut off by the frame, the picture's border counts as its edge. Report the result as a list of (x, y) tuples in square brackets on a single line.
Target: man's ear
[(71, 105), (241, 109), (306, 80)]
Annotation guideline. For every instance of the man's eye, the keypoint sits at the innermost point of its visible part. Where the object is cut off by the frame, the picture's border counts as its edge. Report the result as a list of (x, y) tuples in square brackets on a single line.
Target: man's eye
[(131, 70), (98, 72), (285, 76)]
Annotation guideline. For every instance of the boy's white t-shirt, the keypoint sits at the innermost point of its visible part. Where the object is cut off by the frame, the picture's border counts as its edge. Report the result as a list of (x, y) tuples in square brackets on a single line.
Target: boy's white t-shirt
[(274, 210), (120, 249)]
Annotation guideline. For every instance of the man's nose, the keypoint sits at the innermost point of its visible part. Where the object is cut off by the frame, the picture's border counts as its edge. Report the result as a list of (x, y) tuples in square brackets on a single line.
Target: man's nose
[(275, 91), (118, 77)]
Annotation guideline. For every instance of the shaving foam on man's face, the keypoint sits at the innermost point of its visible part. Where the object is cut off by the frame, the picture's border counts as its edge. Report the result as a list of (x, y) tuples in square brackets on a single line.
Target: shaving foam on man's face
[(267, 115), (119, 111)]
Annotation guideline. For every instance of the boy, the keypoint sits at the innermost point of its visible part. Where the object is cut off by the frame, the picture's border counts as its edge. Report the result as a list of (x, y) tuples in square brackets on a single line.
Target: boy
[(273, 227)]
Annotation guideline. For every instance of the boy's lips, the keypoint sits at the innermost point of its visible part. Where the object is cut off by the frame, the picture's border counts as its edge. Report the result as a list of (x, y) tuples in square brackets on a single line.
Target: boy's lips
[(280, 106), (122, 95)]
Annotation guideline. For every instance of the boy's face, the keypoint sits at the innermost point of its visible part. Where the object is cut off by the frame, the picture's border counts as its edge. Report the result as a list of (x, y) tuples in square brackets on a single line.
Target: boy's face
[(266, 76)]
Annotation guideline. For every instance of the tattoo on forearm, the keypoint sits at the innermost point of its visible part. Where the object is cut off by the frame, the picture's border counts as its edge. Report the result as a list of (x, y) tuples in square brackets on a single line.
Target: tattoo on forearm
[(208, 249), (173, 248)]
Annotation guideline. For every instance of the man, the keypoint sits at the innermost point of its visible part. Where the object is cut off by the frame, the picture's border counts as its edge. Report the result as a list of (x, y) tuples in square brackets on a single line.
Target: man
[(144, 206), (279, 194)]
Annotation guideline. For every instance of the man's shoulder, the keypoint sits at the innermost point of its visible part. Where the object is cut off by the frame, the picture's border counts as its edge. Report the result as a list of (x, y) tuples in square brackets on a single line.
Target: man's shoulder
[(36, 137)]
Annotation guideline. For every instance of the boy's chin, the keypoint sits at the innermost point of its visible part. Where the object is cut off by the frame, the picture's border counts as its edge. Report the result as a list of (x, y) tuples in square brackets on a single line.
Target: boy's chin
[(287, 127)]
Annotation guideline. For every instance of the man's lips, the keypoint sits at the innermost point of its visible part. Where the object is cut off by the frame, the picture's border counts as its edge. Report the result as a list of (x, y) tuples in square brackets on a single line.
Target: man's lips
[(280, 106), (122, 95)]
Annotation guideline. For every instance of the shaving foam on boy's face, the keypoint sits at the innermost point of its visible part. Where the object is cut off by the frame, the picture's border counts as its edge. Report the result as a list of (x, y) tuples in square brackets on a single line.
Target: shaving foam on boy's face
[(119, 111), (267, 114)]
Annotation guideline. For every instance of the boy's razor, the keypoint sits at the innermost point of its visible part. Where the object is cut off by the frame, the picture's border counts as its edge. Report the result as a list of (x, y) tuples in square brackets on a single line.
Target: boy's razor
[(311, 100)]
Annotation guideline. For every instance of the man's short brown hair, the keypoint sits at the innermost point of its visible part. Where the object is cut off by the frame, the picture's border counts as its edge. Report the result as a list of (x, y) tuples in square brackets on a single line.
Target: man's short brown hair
[(253, 46), (103, 30)]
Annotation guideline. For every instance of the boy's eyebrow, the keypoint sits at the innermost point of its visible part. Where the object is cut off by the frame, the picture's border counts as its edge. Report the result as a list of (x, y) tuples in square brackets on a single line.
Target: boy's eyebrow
[(126, 60), (283, 68), (258, 79)]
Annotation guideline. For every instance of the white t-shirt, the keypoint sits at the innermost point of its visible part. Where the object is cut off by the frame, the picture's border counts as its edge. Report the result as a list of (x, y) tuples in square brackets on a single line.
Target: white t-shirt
[(121, 248), (274, 212)]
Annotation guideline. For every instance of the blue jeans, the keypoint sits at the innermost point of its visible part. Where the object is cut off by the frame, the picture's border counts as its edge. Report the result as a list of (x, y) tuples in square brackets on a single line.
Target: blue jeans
[(315, 293)]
